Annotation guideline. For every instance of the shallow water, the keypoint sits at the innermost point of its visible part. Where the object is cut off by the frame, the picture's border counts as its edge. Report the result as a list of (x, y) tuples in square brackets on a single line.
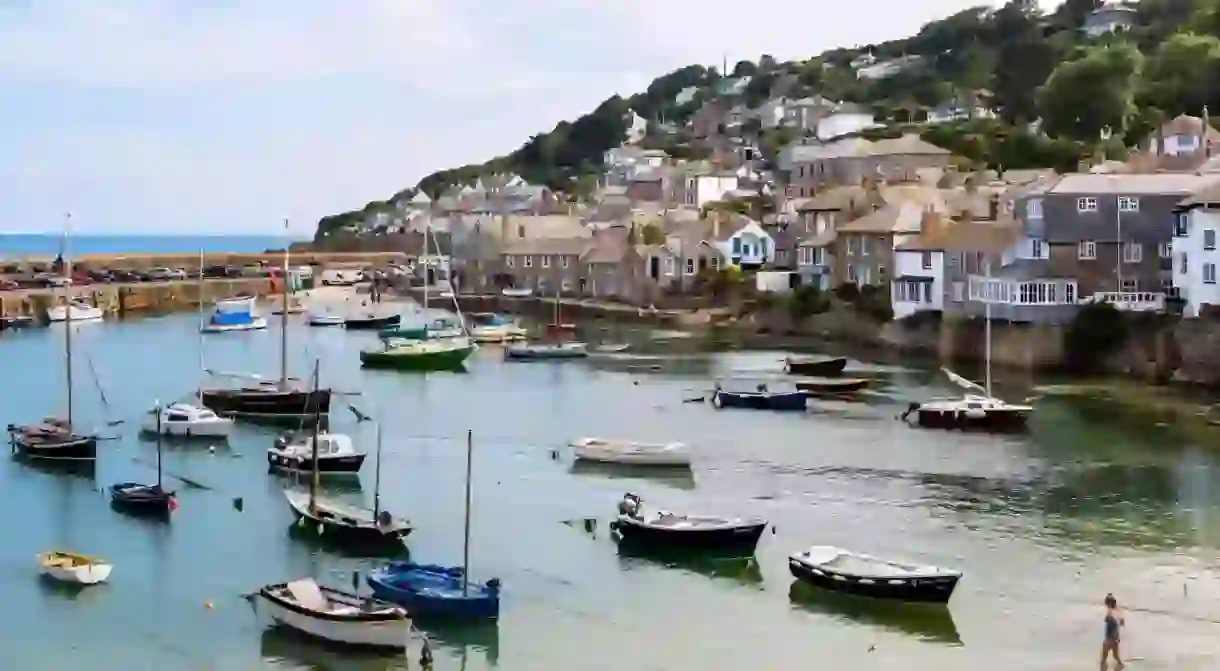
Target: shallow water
[(1043, 526)]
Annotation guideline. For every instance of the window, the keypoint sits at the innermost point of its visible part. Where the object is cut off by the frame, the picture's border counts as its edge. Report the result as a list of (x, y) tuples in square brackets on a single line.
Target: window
[(564, 261), (1128, 204), (714, 261), (1165, 250), (851, 273), (851, 247), (508, 261), (176, 417), (1181, 224), (819, 256), (1130, 286), (1036, 248), (1183, 263), (927, 292), (1209, 273), (690, 266), (669, 265), (1209, 238), (528, 262), (1133, 252), (736, 246), (959, 292), (1033, 208), (546, 260), (1086, 249), (1170, 290), (520, 230), (1086, 204), (926, 260), (880, 273), (864, 245)]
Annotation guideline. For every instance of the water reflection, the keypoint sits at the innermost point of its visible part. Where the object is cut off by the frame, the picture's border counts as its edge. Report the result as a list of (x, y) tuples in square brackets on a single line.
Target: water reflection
[(461, 640), (925, 621), (678, 478), (732, 567), (85, 468), (346, 483), (285, 648), (389, 548)]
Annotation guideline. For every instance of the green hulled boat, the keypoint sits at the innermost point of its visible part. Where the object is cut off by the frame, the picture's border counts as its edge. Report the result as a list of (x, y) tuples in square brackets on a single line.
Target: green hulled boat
[(445, 327), (432, 354)]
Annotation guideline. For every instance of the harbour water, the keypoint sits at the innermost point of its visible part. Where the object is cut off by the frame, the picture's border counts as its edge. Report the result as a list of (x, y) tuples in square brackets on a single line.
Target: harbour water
[(1043, 525), (19, 245)]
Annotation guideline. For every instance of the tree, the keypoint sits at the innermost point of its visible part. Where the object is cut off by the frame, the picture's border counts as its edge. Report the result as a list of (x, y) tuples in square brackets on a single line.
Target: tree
[(1179, 76), (1094, 92), (1024, 60)]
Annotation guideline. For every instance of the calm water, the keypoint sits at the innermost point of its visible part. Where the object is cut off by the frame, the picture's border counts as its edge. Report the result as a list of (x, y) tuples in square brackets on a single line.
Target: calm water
[(1043, 526), (17, 245)]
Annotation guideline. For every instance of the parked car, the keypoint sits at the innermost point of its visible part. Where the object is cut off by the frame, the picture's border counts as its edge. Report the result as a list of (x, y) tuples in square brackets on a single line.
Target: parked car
[(101, 275), (161, 274), (8, 285), (128, 276), (81, 278)]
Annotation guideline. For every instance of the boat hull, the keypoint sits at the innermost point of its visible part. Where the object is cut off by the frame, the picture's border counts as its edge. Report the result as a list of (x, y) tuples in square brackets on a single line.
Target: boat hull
[(830, 387), (389, 633), (218, 428), (140, 499), (449, 359), (626, 456), (267, 404), (935, 589), (70, 448), (435, 592), (346, 527), (80, 313), (818, 368), (255, 324), (373, 324), (348, 464), (989, 420), (739, 538), (83, 574), (326, 320), (545, 353), (786, 402)]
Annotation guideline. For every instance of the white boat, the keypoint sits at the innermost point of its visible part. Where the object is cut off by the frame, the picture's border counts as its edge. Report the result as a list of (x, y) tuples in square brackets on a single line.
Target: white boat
[(316, 319), (188, 421), (631, 453), (234, 314), (336, 454), (79, 311), (332, 615), (542, 351), (489, 327), (515, 292), (73, 568)]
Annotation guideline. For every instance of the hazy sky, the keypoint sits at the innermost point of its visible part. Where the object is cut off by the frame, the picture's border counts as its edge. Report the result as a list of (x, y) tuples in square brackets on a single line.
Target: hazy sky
[(166, 116)]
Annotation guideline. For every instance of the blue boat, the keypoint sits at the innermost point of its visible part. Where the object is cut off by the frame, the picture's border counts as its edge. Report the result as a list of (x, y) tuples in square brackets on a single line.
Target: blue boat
[(759, 399), (428, 590)]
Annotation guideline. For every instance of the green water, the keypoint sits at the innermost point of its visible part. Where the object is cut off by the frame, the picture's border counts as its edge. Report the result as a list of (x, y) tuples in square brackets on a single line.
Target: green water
[(1043, 526)]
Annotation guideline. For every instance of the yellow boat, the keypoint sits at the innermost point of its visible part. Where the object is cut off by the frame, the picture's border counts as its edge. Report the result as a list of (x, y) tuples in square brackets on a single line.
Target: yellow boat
[(73, 568)]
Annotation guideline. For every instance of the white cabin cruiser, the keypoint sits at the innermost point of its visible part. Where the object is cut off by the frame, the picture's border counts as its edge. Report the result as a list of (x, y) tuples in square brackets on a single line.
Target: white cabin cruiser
[(183, 420), (336, 454), (77, 309)]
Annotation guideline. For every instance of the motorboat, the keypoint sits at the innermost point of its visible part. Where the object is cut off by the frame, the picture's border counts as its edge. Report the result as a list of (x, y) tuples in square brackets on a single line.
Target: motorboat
[(631, 453), (333, 615), (52, 440), (517, 292), (336, 454), (971, 411), (183, 420), (490, 327), (815, 367), (427, 590), (546, 351), (760, 398), (73, 568), (442, 327), (76, 310), (661, 529), (234, 314), (841, 570), (324, 319)]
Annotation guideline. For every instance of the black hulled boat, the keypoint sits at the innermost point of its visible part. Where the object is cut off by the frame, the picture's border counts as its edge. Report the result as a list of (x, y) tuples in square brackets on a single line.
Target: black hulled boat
[(372, 322), (844, 571), (142, 499), (822, 367), (663, 530), (335, 454)]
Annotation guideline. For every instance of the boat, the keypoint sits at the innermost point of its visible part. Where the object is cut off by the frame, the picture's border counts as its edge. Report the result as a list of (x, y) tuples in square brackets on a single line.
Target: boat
[(440, 591), (73, 568), (335, 454), (54, 440), (516, 292), (442, 327), (234, 314), (493, 328), (259, 400), (815, 367), (662, 529), (333, 615), (841, 570), (134, 497), (183, 420), (316, 319), (77, 310), (631, 453), (830, 385), (338, 520), (612, 348), (421, 355), (15, 322), (372, 322), (546, 351), (761, 398)]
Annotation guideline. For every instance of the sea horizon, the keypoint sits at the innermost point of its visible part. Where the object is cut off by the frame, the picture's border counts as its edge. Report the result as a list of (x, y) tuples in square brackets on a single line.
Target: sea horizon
[(19, 245)]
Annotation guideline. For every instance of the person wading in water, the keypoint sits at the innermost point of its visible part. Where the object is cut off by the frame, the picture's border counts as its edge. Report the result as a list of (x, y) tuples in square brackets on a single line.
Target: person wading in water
[(1114, 620)]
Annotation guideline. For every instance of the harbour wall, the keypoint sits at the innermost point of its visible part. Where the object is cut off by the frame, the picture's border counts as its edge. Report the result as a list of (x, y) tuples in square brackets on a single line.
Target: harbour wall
[(127, 299), (191, 261)]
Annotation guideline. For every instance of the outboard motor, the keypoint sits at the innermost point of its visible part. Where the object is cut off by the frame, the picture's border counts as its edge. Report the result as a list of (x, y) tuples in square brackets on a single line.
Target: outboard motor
[(385, 519), (630, 505), (910, 409)]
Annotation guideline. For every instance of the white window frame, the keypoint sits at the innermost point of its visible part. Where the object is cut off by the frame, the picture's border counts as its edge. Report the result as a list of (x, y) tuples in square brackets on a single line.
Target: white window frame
[(1035, 248), (925, 260), (1033, 208), (851, 248), (713, 261), (1184, 263), (1133, 252), (528, 261), (1130, 285), (1209, 273), (1209, 244), (1086, 250), (1165, 250), (959, 292), (689, 265), (819, 256), (546, 260), (509, 261), (1128, 204), (564, 261), (671, 266), (1086, 204)]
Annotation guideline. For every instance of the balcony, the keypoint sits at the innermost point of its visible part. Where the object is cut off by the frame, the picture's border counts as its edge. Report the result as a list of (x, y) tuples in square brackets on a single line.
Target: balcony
[(1130, 301)]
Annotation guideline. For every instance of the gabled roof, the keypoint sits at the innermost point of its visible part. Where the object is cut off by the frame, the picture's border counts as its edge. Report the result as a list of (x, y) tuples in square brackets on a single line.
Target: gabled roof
[(1165, 183)]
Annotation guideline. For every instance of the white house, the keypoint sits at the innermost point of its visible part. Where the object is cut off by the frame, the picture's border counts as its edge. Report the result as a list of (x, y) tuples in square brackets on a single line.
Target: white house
[(1109, 18), (772, 113), (637, 128), (703, 189), (1182, 135), (622, 164), (919, 279), (749, 245), (1195, 258), (883, 69), (845, 120)]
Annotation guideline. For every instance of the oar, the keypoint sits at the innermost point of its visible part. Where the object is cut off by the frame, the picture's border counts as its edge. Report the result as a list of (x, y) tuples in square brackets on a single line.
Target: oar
[(187, 481)]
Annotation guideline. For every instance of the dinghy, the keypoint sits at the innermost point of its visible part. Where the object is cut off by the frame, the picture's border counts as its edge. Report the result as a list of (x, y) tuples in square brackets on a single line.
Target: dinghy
[(336, 454), (663, 530), (845, 571), (372, 322), (183, 420), (631, 453), (830, 386), (820, 367), (761, 398), (77, 310), (72, 568), (333, 615), (234, 314), (543, 352)]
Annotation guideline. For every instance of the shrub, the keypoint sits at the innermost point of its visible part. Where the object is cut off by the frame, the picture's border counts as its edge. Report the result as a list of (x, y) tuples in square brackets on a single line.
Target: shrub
[(847, 292), (1096, 332), (807, 300)]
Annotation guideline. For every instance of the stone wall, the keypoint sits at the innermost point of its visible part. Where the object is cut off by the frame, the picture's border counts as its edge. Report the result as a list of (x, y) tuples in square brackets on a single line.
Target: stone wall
[(123, 299)]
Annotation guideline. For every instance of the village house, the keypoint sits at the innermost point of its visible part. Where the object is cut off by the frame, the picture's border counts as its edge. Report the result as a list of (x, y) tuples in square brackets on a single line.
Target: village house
[(622, 164), (1183, 135), (703, 187), (1196, 222), (919, 268), (873, 69), (817, 225), (612, 269), (850, 160), (964, 107), (845, 119), (546, 265), (1109, 18)]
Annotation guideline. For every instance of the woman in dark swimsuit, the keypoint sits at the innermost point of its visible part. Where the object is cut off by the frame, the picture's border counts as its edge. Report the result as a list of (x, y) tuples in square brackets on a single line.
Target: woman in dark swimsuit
[(1114, 620)]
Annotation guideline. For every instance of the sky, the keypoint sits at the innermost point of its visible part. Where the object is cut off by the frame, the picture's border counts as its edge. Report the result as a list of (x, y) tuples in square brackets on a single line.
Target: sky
[(226, 116)]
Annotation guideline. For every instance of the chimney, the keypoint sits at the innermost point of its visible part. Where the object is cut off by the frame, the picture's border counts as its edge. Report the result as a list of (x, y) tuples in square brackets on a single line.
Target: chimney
[(929, 222), (716, 225), (993, 207)]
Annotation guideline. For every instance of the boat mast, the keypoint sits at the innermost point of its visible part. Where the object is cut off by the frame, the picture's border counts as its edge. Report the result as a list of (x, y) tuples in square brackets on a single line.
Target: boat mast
[(424, 261), (199, 391), (67, 271), (377, 476), (158, 408), (466, 544), (317, 419), (987, 334), (284, 315)]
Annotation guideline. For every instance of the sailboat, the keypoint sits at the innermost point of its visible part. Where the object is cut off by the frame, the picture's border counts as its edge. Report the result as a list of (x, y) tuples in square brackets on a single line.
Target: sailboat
[(432, 351), (265, 400), (143, 499), (440, 591), (54, 439), (977, 410), (331, 518)]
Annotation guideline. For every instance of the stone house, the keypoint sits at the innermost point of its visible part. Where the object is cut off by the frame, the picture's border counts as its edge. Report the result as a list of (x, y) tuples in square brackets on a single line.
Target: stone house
[(611, 267), (546, 265), (817, 225), (850, 160)]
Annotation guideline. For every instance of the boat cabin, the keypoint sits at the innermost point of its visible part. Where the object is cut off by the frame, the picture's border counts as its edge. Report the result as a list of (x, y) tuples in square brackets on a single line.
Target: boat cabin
[(328, 444)]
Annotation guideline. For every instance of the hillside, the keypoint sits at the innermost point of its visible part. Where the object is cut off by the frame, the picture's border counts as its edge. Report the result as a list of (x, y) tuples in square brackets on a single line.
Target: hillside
[(1092, 94)]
